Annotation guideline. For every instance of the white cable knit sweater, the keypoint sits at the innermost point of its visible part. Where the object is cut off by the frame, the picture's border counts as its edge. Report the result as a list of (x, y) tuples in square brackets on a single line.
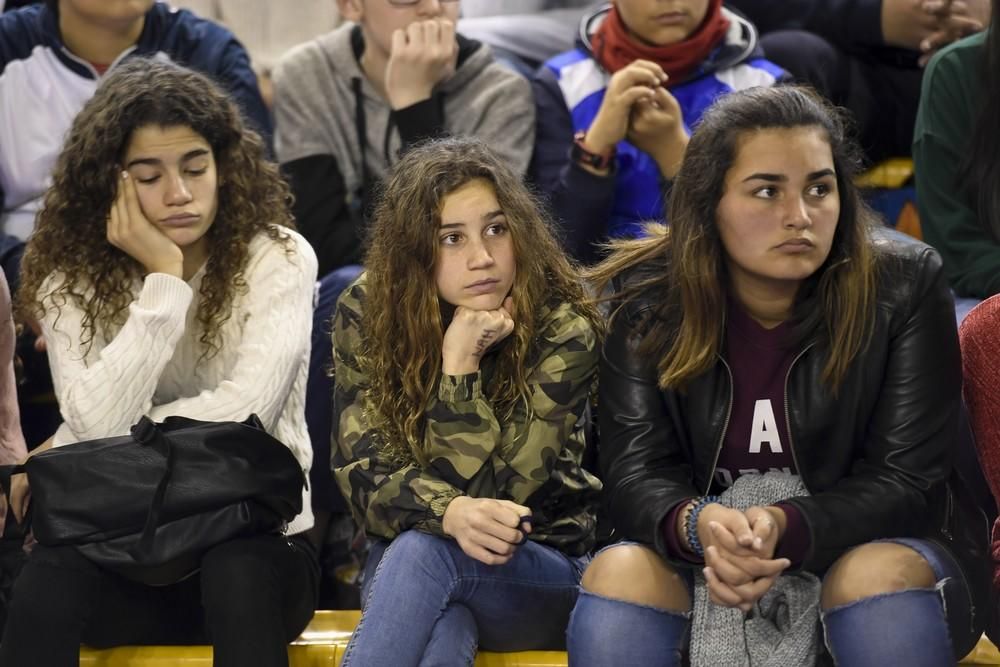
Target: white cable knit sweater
[(153, 366)]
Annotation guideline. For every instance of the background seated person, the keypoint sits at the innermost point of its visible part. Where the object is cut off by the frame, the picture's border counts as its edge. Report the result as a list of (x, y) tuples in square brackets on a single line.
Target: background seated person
[(348, 103), (52, 58), (615, 113), (956, 153)]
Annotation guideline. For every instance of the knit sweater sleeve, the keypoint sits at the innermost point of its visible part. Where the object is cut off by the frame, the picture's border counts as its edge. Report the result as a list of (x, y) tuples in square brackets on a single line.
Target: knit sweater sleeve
[(277, 324), (12, 448), (980, 376), (102, 391)]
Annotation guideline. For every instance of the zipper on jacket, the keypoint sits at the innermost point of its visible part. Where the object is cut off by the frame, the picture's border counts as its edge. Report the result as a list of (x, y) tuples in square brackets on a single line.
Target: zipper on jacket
[(725, 427), (946, 524), (788, 420)]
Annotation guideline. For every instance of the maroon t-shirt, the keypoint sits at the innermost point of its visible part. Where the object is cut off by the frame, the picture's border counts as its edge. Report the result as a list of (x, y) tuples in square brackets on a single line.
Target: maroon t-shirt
[(756, 440)]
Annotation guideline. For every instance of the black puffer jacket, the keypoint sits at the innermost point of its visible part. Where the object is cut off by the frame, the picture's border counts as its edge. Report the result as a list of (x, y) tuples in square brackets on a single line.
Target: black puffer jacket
[(877, 459)]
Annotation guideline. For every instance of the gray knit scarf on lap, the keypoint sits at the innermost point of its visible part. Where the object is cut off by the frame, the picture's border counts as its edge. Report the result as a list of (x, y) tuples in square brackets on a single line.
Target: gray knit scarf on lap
[(783, 629)]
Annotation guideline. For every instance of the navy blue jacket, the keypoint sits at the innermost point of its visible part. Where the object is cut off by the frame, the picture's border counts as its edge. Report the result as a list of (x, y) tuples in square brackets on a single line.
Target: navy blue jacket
[(850, 24), (43, 86), (569, 90)]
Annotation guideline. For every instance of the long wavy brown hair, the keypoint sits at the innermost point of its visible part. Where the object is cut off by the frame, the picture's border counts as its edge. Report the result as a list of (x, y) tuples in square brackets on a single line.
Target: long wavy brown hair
[(684, 265), (402, 321), (70, 237)]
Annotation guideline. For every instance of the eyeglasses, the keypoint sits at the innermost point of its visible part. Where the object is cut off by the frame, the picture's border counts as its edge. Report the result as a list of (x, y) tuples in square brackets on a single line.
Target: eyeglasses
[(410, 3)]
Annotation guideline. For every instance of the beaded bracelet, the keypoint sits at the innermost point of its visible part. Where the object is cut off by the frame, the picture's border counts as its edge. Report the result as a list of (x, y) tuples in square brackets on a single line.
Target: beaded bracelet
[(691, 525)]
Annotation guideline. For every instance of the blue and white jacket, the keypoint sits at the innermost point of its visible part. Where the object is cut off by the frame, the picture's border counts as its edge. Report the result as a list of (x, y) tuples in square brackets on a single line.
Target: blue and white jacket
[(43, 86), (569, 89)]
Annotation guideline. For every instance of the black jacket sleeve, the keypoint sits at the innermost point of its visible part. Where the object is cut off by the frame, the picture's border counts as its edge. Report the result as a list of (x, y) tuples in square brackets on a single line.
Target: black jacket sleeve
[(645, 469), (423, 120), (580, 201), (848, 23), (326, 214)]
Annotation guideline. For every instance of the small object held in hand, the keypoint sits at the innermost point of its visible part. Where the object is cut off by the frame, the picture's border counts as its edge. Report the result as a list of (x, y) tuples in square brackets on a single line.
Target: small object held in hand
[(527, 519)]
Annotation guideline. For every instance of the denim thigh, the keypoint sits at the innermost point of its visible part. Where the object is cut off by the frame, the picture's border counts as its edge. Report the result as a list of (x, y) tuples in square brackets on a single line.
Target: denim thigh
[(521, 605)]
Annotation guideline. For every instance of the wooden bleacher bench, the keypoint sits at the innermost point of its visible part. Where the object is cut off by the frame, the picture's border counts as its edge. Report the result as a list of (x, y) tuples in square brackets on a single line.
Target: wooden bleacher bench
[(321, 644), (324, 640)]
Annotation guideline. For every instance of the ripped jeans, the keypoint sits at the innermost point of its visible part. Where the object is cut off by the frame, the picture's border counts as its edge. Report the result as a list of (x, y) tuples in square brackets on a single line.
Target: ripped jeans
[(918, 628)]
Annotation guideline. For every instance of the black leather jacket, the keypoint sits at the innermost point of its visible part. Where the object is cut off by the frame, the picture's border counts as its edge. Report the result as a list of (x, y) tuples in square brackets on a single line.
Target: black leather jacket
[(876, 459)]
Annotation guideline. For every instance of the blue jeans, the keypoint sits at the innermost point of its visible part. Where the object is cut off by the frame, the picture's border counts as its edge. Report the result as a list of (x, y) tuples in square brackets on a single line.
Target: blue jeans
[(607, 632), (425, 602), (964, 304), (912, 627), (920, 627)]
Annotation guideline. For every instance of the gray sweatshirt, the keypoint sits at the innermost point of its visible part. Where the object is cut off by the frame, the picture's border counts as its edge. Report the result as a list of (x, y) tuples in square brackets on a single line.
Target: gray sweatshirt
[(324, 105)]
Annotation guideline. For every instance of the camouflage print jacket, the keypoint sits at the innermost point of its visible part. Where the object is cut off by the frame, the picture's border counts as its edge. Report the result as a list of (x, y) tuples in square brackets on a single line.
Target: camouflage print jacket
[(534, 462)]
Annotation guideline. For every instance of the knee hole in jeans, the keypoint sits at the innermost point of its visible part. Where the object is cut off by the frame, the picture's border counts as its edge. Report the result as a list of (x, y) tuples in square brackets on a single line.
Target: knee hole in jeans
[(637, 574), (875, 569)]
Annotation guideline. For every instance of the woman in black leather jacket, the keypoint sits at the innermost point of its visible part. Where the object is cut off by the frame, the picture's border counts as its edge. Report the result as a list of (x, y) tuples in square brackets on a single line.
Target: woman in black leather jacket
[(773, 329)]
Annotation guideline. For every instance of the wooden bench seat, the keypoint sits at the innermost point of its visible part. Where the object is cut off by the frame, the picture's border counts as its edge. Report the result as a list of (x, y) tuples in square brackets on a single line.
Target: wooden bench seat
[(323, 642)]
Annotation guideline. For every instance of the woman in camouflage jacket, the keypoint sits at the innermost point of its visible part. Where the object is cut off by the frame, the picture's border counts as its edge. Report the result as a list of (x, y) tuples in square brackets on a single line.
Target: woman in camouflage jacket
[(464, 358)]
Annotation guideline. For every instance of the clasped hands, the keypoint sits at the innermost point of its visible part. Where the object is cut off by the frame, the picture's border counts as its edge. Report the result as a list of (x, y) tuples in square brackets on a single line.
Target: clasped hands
[(740, 566), (638, 107)]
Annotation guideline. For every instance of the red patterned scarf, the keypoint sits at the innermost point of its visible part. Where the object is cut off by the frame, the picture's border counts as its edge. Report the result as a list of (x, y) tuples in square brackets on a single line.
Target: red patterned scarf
[(614, 48)]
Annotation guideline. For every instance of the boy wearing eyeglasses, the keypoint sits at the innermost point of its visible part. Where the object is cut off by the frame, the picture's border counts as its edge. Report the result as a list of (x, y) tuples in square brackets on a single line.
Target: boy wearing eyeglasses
[(348, 103)]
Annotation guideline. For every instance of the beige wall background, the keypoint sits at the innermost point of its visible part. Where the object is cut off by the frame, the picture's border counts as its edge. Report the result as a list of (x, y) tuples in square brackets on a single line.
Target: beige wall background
[(268, 28)]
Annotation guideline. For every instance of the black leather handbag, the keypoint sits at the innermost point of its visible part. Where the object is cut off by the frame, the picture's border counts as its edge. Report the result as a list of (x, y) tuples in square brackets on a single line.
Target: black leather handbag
[(150, 504)]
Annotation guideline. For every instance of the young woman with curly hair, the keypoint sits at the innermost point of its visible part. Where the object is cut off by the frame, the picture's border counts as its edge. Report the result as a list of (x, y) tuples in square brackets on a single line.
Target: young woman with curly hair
[(774, 345), (168, 281), (464, 359)]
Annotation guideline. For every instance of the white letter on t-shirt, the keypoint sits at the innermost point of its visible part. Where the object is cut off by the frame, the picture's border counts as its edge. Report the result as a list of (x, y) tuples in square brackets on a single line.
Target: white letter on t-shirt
[(764, 429)]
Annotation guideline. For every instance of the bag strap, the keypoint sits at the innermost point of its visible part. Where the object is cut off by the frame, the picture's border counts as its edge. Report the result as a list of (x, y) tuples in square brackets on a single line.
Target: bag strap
[(6, 472), (147, 433)]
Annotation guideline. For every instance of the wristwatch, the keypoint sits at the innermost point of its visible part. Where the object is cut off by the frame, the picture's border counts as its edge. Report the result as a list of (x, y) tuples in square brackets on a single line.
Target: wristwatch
[(585, 156)]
